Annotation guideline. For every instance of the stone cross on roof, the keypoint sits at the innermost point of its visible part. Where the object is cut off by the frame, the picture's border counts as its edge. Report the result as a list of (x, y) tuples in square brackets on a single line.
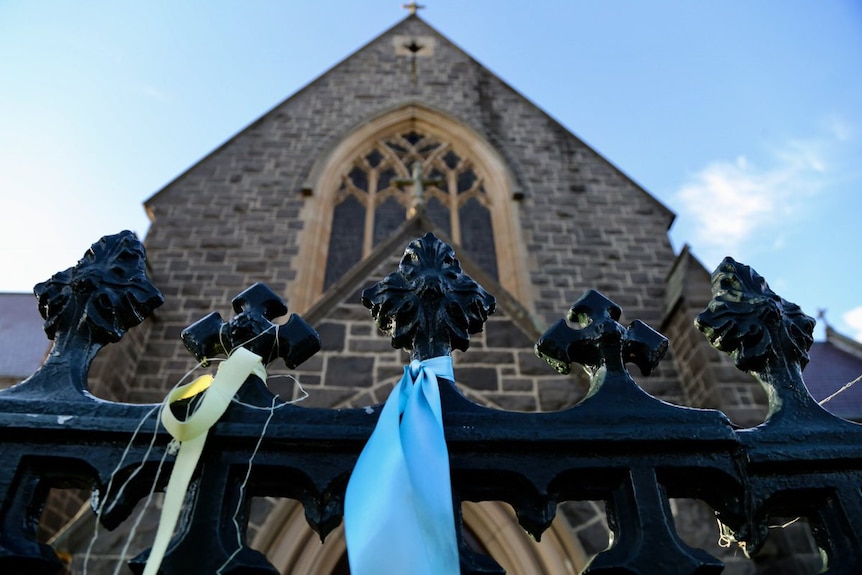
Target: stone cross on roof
[(412, 7)]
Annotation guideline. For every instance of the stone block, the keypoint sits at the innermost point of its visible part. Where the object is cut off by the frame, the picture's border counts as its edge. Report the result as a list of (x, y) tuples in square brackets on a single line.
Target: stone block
[(479, 378), (349, 371), (332, 336), (514, 401), (529, 364), (505, 334)]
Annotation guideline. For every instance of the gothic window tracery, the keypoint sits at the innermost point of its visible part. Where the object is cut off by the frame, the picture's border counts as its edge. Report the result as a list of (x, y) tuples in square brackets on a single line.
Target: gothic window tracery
[(381, 187)]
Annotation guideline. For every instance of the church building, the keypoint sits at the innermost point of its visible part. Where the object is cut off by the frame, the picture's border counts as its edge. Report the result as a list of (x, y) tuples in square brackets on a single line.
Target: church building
[(318, 198)]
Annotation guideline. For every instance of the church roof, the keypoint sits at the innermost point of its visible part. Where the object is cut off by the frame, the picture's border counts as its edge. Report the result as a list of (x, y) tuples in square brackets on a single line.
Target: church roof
[(835, 363), (24, 341), (408, 27)]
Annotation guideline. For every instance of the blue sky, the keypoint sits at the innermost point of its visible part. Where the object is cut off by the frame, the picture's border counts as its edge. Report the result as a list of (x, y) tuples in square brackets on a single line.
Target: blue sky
[(744, 118)]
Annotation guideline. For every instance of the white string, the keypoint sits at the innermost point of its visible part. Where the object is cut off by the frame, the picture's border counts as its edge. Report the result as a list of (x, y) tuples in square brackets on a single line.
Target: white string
[(726, 536), (844, 388), (242, 486), (160, 407), (785, 525), (134, 473), (302, 397), (276, 344), (271, 409), (101, 505), (133, 531)]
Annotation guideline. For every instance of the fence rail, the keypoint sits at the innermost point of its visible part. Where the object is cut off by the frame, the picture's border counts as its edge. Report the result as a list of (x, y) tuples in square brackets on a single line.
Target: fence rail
[(619, 444)]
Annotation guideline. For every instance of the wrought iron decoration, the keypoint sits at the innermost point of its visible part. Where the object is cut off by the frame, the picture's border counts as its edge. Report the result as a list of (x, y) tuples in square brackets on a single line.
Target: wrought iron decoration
[(619, 445), (85, 307), (802, 461), (253, 329), (763, 333), (429, 306), (89, 306)]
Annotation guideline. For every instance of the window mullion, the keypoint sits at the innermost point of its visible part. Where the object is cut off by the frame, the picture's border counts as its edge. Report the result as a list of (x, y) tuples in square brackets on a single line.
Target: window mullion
[(368, 238), (452, 189)]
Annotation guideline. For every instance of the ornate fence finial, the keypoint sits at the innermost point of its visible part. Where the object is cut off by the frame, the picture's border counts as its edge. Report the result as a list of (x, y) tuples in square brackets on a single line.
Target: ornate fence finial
[(103, 296), (88, 306), (429, 306), (253, 329), (600, 340), (750, 322), (763, 333)]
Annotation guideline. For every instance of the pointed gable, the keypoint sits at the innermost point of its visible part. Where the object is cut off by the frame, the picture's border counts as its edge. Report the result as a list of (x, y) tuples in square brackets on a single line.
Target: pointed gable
[(412, 61), (537, 207)]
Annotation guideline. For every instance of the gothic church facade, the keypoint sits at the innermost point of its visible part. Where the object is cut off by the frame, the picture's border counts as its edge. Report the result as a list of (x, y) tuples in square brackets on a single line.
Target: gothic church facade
[(318, 198)]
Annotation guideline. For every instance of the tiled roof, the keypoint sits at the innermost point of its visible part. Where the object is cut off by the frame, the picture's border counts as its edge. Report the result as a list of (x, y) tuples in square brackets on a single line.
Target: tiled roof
[(834, 363), (23, 343)]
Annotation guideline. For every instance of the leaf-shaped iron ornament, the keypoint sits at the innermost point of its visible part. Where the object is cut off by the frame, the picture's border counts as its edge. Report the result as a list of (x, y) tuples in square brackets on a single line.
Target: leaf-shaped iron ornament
[(429, 306), (87, 307), (600, 341), (765, 335), (108, 288), (750, 322)]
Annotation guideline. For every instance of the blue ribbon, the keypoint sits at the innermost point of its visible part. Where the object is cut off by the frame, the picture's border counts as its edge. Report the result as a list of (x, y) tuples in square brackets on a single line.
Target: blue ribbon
[(398, 515)]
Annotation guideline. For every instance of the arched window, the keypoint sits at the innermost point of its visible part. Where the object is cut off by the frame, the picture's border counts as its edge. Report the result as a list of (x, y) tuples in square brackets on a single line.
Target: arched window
[(380, 174), (387, 182)]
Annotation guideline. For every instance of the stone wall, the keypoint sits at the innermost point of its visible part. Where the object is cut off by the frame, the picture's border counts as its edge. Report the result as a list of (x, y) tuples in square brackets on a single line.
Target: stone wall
[(235, 217), (709, 378), (239, 216)]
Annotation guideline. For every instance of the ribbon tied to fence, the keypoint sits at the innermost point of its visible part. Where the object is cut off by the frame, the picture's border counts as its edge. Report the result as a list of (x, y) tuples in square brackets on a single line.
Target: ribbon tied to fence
[(191, 433), (398, 514)]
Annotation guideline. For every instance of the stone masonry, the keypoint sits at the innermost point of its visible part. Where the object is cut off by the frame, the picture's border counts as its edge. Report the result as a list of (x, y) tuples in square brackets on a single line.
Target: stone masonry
[(239, 216), (234, 218)]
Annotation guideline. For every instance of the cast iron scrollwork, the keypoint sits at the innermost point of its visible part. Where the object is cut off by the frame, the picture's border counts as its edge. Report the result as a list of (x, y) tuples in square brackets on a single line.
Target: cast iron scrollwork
[(619, 445), (429, 306), (253, 328), (85, 307), (638, 509), (769, 338), (600, 343), (88, 306), (105, 294), (763, 333)]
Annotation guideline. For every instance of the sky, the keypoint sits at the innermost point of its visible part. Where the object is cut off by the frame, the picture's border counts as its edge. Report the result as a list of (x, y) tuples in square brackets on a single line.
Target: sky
[(744, 118)]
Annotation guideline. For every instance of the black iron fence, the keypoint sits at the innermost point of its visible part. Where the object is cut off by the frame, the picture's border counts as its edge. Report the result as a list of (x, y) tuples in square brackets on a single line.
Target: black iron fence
[(619, 444)]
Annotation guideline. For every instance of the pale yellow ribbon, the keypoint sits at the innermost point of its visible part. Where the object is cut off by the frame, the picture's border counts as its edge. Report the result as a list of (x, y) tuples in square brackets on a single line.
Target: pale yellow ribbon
[(192, 435)]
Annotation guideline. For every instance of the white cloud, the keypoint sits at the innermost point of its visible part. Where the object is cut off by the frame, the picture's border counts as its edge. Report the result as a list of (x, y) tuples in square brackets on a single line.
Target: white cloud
[(853, 318), (728, 201), (840, 129), (730, 204)]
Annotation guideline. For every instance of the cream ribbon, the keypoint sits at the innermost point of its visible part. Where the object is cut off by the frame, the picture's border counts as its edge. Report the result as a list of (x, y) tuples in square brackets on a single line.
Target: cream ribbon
[(192, 434)]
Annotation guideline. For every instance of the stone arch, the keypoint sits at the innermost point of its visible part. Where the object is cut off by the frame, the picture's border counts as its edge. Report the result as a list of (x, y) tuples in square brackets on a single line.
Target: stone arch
[(292, 547), (328, 171)]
